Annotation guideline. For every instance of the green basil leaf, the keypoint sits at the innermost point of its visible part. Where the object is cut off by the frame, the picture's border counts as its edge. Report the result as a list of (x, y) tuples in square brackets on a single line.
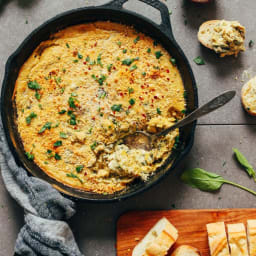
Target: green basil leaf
[(199, 61), (244, 163), (203, 180)]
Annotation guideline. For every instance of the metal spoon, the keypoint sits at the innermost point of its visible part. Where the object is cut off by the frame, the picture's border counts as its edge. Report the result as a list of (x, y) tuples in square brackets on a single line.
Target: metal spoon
[(144, 140)]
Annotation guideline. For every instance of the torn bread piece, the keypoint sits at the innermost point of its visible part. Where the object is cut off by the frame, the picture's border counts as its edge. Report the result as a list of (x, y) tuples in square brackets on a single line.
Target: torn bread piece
[(186, 250), (158, 240), (217, 239), (248, 96), (222, 36), (237, 240), (251, 233)]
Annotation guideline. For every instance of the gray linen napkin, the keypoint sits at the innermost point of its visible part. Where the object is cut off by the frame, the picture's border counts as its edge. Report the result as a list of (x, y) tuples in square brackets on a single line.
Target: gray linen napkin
[(44, 233)]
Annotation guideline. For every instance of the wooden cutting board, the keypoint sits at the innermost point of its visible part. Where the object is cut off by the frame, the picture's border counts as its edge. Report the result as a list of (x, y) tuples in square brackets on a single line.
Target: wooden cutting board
[(133, 226)]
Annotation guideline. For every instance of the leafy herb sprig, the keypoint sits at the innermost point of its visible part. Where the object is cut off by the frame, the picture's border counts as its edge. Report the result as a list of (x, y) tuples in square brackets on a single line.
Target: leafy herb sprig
[(244, 163), (208, 181)]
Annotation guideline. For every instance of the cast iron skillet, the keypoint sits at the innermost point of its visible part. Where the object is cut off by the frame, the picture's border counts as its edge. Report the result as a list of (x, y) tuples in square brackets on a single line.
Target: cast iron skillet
[(115, 12)]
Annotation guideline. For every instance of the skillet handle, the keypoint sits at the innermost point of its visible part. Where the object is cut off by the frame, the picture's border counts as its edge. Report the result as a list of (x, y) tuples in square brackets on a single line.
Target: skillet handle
[(165, 25)]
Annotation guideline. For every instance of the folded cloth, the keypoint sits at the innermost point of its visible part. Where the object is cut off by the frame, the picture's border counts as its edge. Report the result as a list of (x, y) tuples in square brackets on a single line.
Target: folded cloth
[(44, 233)]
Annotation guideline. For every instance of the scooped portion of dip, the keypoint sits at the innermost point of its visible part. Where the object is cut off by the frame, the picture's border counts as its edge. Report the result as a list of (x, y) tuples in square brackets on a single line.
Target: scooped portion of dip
[(224, 37), (87, 87)]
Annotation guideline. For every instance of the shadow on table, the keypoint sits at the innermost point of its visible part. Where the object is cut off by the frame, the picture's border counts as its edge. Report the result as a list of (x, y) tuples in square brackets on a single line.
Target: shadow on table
[(21, 3)]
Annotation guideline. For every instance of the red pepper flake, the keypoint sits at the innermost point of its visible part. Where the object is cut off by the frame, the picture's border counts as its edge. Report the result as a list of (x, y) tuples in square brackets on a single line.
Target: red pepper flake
[(84, 62), (152, 105), (85, 173), (153, 89), (121, 94), (167, 70), (168, 79), (162, 96), (129, 107), (155, 97), (141, 98), (95, 44), (144, 115), (75, 53), (142, 87), (75, 127), (93, 118), (89, 68), (114, 68)]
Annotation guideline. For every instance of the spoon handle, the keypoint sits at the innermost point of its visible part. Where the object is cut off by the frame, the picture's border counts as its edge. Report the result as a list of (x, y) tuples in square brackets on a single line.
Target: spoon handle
[(215, 103)]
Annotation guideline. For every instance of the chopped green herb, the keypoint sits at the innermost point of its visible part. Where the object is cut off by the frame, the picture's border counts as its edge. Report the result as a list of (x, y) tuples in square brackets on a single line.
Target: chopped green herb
[(130, 90), (57, 156), (22, 110), (75, 61), (30, 156), (251, 43), (63, 135), (101, 94), (149, 50), (90, 130), (118, 58), (109, 67), (158, 54), (40, 106), (34, 85), (183, 111), (71, 102), (92, 62), (116, 107), (67, 45), (72, 175), (94, 145), (74, 94), (124, 50), (58, 143), (87, 59), (64, 70), (143, 73), (199, 61), (136, 39), (30, 117), (37, 95), (119, 43), (79, 168), (173, 61), (156, 67), (100, 79), (57, 80), (128, 62), (132, 101), (80, 56), (72, 121), (62, 90), (158, 111), (133, 67), (48, 126), (99, 60)]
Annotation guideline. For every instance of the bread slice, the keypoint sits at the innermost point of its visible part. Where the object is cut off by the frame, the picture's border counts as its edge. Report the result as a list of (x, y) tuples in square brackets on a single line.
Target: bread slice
[(237, 240), (217, 239), (248, 96), (186, 250), (158, 240), (205, 31), (224, 37), (251, 234)]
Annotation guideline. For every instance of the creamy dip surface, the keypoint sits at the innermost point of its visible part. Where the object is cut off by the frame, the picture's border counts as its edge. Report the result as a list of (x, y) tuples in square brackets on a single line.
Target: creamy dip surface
[(83, 90)]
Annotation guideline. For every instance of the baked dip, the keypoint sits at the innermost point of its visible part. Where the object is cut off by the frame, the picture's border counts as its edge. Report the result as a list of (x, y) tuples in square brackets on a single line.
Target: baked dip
[(83, 90)]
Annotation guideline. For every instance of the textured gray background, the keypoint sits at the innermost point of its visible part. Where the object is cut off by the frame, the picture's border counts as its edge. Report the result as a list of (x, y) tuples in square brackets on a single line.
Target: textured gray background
[(94, 224)]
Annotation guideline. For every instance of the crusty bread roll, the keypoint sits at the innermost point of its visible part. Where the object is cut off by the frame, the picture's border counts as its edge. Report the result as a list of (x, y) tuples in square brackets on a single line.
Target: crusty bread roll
[(248, 96), (158, 240), (217, 239), (251, 233), (186, 250), (237, 240)]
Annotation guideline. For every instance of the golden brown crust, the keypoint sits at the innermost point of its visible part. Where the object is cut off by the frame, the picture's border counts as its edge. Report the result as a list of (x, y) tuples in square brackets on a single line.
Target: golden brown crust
[(80, 71)]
